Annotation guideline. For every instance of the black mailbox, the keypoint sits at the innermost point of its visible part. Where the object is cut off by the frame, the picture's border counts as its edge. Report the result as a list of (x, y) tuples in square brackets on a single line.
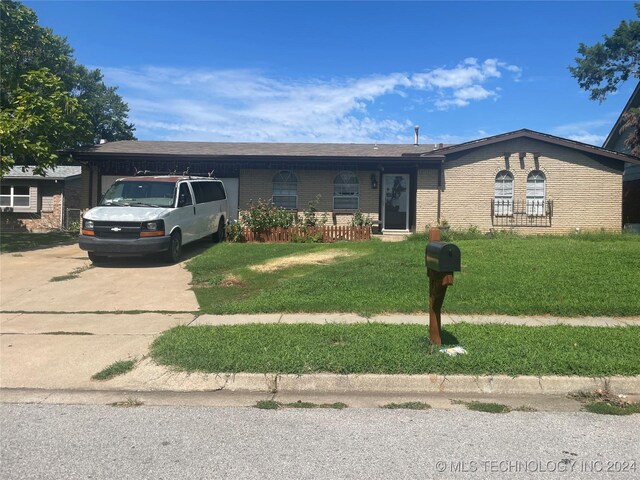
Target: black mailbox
[(442, 257)]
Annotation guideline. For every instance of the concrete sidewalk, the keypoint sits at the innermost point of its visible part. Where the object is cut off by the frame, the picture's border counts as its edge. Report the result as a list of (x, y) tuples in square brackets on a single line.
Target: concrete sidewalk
[(43, 351)]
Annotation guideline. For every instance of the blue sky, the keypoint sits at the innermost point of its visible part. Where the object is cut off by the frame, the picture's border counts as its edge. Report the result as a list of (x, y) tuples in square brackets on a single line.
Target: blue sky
[(344, 71)]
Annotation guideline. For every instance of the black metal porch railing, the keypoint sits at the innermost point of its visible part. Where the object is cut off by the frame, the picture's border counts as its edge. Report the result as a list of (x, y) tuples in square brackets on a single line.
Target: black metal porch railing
[(521, 213)]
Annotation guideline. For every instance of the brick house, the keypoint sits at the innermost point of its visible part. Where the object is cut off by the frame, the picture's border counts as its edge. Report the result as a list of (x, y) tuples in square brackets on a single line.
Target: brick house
[(36, 203), (523, 180)]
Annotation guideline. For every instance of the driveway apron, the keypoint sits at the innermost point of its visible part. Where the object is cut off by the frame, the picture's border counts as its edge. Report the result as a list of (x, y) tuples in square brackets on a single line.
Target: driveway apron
[(46, 344)]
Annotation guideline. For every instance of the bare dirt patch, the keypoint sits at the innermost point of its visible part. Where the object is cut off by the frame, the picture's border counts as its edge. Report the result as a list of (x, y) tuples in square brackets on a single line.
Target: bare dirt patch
[(317, 258), (231, 281)]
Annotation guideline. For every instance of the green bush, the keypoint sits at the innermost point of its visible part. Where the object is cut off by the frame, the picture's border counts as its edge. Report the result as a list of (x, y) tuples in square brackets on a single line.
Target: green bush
[(264, 215), (361, 220), (309, 215), (235, 232)]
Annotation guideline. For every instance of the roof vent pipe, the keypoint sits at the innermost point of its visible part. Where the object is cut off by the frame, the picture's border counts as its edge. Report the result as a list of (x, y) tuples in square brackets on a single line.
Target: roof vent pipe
[(415, 138), (102, 141)]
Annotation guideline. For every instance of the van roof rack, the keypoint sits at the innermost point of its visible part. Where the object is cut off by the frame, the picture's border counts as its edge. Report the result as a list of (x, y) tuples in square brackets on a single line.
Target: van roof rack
[(186, 173)]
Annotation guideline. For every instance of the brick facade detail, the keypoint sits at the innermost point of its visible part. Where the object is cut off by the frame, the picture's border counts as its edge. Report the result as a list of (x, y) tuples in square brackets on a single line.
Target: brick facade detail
[(50, 212), (585, 193)]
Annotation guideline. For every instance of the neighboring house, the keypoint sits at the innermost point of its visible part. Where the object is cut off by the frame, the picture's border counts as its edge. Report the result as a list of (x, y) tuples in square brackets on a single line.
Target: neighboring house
[(631, 179), (36, 203), (523, 180)]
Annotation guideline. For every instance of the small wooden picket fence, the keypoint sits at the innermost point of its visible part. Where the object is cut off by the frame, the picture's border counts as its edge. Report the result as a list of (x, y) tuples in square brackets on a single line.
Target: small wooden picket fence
[(329, 234)]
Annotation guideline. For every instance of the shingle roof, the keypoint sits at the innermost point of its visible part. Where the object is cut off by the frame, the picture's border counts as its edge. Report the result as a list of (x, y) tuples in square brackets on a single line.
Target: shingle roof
[(60, 172), (219, 149), (545, 137)]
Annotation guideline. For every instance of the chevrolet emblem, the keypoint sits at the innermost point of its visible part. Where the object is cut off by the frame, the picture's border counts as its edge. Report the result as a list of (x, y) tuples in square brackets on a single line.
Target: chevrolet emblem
[(116, 229)]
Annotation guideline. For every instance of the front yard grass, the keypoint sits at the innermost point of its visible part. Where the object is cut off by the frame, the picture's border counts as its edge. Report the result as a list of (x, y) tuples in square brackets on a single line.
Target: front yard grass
[(577, 275), (400, 349), (20, 242)]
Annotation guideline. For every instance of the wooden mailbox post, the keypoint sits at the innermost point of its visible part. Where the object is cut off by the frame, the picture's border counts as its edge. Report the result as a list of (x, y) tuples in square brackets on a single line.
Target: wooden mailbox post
[(441, 259)]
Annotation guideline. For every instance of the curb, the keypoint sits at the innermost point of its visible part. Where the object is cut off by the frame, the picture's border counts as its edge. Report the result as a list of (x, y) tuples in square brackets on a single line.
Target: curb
[(243, 389), (155, 378), (418, 384)]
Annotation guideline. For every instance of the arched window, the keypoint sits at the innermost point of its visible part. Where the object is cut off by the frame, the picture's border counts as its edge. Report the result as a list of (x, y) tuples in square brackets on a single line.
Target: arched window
[(285, 190), (346, 191), (503, 197), (535, 193)]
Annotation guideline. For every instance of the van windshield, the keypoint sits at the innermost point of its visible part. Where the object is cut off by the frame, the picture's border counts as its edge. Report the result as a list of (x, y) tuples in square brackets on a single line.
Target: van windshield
[(143, 193)]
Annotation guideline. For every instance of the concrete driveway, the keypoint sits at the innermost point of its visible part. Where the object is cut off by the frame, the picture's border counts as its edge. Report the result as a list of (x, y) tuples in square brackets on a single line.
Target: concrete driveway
[(145, 284), (46, 343)]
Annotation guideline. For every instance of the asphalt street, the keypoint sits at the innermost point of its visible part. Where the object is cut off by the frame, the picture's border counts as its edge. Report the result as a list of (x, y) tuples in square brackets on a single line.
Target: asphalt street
[(64, 441)]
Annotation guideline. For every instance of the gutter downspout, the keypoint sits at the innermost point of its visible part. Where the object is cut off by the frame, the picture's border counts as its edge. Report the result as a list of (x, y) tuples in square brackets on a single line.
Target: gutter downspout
[(62, 226), (90, 185)]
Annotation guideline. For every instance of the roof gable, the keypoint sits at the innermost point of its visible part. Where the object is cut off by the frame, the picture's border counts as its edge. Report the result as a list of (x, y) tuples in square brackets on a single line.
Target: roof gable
[(615, 133), (599, 152)]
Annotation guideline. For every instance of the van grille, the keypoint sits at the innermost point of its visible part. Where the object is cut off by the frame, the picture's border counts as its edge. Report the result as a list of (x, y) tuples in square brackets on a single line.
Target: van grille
[(123, 230)]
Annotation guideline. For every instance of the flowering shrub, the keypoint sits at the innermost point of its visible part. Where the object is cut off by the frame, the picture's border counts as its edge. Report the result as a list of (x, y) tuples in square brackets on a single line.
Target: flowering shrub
[(264, 215)]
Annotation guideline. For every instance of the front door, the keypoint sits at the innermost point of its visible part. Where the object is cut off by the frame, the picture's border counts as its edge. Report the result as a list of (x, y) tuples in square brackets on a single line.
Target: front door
[(395, 212)]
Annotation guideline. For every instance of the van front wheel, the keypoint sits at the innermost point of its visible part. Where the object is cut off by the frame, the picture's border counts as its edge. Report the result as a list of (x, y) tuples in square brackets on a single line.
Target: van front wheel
[(175, 248), (95, 259), (218, 237)]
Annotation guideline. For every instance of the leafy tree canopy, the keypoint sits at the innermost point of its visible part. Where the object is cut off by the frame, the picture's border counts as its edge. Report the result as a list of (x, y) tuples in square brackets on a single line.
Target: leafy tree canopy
[(48, 102), (40, 117), (601, 67)]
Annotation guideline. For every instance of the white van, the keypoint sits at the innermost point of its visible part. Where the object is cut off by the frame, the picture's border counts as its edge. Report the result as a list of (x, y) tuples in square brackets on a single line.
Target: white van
[(142, 215)]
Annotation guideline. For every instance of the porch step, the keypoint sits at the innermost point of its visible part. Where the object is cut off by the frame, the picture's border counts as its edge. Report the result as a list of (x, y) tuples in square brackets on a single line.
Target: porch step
[(391, 237)]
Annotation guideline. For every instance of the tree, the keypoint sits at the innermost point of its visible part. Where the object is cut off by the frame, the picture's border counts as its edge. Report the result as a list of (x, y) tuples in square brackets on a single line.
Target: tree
[(603, 66), (105, 109), (34, 60), (41, 119), (25, 46)]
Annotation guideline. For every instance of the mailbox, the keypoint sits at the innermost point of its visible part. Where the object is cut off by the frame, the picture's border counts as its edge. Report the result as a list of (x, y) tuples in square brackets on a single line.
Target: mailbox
[(442, 257)]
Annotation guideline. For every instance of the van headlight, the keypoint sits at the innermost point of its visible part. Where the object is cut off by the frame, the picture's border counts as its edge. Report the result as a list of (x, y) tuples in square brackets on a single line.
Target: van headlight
[(154, 228), (87, 227)]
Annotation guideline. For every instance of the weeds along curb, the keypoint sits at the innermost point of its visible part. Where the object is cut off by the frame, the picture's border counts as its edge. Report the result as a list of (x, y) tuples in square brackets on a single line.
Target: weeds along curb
[(374, 383)]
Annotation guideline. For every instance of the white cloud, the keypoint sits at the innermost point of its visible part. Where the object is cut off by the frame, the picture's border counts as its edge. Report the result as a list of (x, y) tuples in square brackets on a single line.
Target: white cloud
[(465, 74), (248, 105), (590, 138), (593, 132), (457, 86)]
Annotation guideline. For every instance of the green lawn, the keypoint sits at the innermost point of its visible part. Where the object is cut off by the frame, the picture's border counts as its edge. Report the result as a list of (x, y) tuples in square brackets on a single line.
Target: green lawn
[(394, 349), (567, 276), (19, 242)]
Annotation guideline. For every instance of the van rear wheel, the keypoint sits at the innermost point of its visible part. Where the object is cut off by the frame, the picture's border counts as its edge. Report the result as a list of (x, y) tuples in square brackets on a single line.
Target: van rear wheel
[(175, 248)]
